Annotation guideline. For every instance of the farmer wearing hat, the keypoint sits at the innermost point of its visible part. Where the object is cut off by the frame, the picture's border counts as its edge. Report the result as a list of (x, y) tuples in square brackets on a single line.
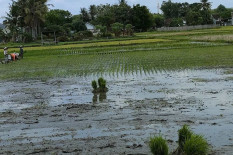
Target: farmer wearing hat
[(21, 51), (6, 54)]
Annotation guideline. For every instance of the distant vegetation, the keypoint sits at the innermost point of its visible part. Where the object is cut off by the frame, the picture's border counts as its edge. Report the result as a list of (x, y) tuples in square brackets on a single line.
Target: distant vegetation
[(26, 20)]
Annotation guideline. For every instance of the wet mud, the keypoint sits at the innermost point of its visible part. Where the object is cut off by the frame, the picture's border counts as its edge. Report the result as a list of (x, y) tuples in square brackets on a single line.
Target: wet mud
[(62, 116)]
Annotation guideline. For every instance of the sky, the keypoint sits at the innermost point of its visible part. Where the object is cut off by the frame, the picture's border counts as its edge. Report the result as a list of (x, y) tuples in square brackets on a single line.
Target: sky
[(74, 5)]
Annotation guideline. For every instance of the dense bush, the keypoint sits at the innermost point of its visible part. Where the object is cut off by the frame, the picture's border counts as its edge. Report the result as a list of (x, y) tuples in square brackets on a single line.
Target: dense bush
[(63, 39), (158, 146)]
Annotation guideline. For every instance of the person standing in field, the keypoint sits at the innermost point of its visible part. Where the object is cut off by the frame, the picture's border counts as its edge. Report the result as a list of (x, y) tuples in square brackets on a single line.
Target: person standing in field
[(6, 54), (21, 52)]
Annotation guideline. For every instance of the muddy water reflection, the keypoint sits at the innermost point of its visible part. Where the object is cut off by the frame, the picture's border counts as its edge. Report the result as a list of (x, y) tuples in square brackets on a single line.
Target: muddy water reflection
[(139, 104), (99, 97)]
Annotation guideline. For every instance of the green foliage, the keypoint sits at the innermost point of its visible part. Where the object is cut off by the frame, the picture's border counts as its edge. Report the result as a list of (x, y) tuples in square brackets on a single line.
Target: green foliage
[(85, 15), (142, 18), (86, 34), (117, 29), (123, 13), (158, 20), (62, 38), (194, 18), (170, 9), (176, 22), (83, 35), (196, 145), (129, 29), (57, 17), (194, 14), (93, 12), (28, 14), (102, 84), (158, 146), (184, 134), (222, 12), (94, 84), (79, 25), (27, 37), (102, 30)]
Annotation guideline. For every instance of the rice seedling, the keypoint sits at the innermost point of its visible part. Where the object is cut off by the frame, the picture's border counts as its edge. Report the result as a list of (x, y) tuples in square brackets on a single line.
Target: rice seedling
[(94, 84), (102, 86), (158, 146), (137, 56), (184, 134), (196, 145)]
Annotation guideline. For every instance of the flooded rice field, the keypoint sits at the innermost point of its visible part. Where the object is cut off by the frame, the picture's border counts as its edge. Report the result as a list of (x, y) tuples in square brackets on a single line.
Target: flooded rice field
[(63, 116)]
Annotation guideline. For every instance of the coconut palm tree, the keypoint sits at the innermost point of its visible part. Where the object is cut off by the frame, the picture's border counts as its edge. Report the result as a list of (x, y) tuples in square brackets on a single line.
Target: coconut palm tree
[(206, 5), (12, 20), (35, 11), (206, 15)]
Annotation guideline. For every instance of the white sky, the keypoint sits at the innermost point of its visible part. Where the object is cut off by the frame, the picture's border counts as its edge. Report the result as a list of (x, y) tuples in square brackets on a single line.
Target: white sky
[(74, 5)]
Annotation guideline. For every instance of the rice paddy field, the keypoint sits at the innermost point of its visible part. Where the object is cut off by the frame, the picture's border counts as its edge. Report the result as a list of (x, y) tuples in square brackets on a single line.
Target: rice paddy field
[(158, 81)]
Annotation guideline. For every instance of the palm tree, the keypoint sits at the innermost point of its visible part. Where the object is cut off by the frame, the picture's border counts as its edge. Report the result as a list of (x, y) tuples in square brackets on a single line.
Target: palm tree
[(93, 11), (206, 7), (85, 15), (11, 21), (35, 11)]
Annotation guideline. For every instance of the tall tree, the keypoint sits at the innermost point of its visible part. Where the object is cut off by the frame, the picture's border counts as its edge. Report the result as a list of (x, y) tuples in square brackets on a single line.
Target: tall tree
[(206, 12), (93, 12), (122, 13), (35, 11), (142, 18), (85, 15)]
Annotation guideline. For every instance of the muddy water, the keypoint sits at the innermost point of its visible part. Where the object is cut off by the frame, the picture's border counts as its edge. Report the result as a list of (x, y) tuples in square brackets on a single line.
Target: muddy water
[(63, 116)]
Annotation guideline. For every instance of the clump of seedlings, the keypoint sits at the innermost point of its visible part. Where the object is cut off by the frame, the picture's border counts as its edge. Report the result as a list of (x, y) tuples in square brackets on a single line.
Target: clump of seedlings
[(184, 133), (196, 145), (189, 144), (102, 86), (158, 146)]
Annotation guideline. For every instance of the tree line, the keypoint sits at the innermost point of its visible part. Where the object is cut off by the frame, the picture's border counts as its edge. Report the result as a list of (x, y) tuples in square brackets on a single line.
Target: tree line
[(28, 18)]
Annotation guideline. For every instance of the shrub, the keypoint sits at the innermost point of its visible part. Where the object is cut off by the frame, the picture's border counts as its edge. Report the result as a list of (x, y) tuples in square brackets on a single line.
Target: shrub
[(94, 85), (158, 146), (62, 38), (196, 145), (87, 34), (184, 134)]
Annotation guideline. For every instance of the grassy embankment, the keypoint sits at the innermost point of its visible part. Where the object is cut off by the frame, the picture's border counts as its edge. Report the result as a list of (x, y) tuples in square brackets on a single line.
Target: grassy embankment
[(144, 54)]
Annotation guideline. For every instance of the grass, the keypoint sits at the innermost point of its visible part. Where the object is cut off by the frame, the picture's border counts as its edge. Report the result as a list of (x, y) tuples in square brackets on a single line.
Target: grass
[(196, 145), (158, 146), (123, 56)]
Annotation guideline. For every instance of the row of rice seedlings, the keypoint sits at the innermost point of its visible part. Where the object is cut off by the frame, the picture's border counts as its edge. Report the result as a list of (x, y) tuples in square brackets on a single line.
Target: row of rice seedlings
[(139, 62)]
